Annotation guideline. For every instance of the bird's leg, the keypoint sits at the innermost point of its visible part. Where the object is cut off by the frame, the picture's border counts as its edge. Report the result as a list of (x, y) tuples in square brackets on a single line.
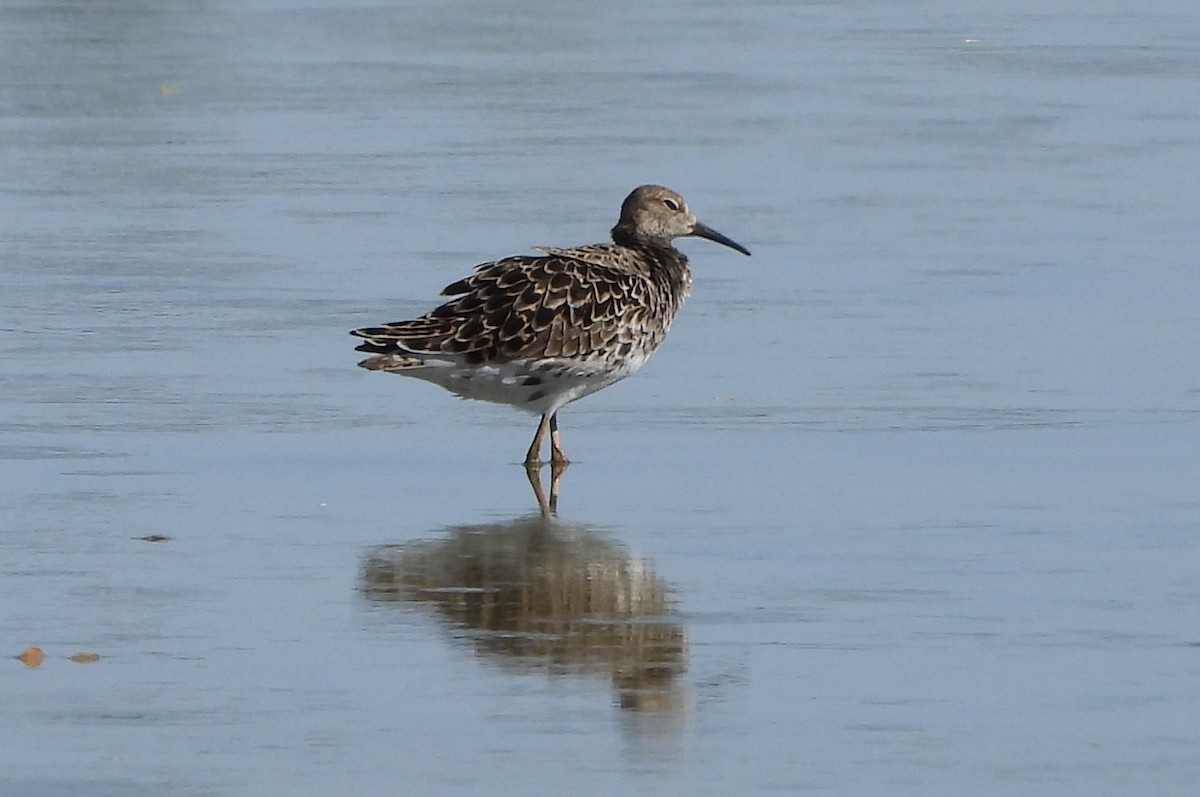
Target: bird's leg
[(557, 457), (535, 448)]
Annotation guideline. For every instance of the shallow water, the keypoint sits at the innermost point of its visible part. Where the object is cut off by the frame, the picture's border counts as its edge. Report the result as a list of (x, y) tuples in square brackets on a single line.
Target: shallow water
[(906, 504)]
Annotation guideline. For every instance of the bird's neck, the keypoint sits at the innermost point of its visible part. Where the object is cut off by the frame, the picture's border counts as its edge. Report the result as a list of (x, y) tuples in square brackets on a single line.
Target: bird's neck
[(626, 235)]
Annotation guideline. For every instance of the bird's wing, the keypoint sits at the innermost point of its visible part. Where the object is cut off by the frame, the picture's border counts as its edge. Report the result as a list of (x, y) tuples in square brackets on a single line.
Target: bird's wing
[(567, 303)]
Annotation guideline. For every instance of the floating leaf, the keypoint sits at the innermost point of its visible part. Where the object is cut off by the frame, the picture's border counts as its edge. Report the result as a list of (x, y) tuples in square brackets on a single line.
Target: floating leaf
[(85, 657), (32, 657)]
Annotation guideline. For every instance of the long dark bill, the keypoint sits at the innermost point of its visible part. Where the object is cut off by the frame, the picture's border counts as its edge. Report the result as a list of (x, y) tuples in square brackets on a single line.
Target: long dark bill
[(704, 231)]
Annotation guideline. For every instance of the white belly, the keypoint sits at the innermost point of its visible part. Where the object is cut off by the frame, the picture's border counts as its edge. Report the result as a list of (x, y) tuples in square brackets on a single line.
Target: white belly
[(536, 386)]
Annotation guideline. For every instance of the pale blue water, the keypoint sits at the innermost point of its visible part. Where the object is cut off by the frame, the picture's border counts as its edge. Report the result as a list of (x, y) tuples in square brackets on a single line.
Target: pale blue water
[(920, 476)]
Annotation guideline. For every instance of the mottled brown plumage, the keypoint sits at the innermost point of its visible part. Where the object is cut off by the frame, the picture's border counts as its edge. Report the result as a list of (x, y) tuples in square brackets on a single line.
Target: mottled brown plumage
[(538, 332)]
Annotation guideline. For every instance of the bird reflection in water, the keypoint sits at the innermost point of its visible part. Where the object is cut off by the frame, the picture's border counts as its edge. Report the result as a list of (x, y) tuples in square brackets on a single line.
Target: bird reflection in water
[(547, 499), (537, 594)]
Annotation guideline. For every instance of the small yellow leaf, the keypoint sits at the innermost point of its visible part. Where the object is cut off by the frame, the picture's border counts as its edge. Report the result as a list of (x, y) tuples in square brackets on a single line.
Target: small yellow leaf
[(85, 657), (32, 657)]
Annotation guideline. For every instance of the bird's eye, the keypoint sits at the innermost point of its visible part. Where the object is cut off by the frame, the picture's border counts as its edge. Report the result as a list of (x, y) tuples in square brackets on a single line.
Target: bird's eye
[(671, 203)]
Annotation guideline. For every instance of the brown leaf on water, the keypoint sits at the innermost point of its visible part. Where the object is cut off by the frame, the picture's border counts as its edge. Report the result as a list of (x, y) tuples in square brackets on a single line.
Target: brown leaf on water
[(85, 657), (31, 657)]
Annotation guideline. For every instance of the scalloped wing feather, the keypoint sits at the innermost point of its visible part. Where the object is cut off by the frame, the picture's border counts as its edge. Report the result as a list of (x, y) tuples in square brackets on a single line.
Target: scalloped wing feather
[(589, 302)]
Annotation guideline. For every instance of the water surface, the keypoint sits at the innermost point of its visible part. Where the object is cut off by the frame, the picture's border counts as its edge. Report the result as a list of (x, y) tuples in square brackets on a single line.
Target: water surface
[(905, 505)]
